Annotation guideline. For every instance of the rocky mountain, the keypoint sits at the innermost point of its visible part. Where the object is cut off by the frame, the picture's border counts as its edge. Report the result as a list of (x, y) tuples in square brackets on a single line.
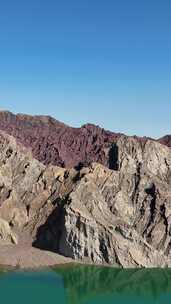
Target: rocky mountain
[(166, 140), (28, 189), (55, 143), (119, 217), (118, 214)]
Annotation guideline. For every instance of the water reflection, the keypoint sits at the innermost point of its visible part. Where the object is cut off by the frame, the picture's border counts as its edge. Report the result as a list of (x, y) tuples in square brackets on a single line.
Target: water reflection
[(88, 284)]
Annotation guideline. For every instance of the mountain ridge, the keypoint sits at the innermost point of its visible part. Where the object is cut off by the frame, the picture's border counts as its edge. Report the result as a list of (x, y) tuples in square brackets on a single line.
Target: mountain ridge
[(118, 215), (53, 142)]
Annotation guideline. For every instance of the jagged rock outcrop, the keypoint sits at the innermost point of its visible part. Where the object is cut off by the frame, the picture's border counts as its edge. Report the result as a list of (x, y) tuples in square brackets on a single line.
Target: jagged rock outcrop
[(119, 217), (118, 214), (29, 191), (55, 143)]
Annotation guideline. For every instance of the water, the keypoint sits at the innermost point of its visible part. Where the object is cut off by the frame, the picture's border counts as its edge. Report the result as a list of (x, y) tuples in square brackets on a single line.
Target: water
[(86, 285)]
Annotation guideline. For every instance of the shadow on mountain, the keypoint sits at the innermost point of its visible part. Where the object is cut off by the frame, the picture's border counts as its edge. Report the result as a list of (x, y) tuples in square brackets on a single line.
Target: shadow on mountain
[(49, 234), (114, 157)]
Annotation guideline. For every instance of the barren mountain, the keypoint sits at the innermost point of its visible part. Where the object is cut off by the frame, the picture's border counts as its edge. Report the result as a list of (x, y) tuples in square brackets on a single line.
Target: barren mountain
[(55, 143), (166, 140), (118, 215)]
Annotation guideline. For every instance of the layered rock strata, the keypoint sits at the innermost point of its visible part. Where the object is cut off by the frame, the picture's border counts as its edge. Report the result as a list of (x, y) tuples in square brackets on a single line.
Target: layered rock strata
[(118, 214)]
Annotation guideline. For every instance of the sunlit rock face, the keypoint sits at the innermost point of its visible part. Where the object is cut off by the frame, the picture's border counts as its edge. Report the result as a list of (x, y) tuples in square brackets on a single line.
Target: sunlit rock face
[(28, 189), (7, 237), (119, 217), (116, 211)]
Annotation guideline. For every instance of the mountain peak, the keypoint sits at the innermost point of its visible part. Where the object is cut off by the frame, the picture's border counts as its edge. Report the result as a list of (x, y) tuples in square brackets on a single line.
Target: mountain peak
[(53, 142)]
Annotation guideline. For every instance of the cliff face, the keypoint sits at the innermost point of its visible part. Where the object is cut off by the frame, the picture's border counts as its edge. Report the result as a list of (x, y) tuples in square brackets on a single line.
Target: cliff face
[(120, 217), (28, 189), (116, 213)]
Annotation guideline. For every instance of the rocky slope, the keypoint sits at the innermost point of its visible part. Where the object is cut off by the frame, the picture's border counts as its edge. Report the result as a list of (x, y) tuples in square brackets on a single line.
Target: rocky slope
[(166, 140), (55, 143), (119, 217), (118, 214), (26, 187)]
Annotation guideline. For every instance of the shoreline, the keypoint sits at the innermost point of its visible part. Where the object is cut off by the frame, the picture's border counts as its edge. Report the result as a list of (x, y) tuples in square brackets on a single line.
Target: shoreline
[(24, 257), (19, 257)]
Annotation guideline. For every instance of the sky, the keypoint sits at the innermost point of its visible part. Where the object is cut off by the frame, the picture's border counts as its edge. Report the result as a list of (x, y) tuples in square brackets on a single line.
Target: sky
[(106, 62)]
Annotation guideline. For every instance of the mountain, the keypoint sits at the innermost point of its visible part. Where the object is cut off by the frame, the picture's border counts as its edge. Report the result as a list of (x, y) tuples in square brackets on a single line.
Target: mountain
[(118, 214), (53, 142), (119, 217), (166, 140)]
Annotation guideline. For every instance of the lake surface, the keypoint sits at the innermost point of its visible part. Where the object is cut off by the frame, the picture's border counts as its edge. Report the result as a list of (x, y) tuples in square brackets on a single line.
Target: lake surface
[(86, 285)]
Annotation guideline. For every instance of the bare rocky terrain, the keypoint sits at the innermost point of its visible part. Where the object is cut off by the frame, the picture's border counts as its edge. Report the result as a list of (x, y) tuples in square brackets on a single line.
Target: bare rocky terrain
[(166, 140), (107, 204), (55, 143)]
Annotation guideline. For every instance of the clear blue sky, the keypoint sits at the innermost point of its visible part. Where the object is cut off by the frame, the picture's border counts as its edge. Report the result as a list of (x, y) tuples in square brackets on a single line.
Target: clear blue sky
[(101, 61)]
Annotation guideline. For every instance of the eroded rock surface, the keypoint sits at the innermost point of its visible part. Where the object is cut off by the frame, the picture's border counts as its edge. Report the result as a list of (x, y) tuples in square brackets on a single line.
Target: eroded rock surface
[(55, 143), (29, 191), (119, 216), (166, 140), (6, 234)]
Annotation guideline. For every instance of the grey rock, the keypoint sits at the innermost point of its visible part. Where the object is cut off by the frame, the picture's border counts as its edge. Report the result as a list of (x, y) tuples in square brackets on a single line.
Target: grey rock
[(122, 217), (119, 216)]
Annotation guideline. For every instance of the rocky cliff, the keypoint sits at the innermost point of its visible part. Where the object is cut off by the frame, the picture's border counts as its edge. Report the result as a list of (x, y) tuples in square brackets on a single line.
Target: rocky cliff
[(116, 212), (122, 216)]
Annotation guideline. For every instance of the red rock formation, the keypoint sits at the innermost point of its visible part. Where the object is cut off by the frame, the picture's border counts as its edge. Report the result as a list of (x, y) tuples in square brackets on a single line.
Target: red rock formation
[(53, 142), (166, 140)]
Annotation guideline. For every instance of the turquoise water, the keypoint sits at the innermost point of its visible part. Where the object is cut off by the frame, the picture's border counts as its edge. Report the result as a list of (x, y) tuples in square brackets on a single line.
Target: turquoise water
[(86, 285)]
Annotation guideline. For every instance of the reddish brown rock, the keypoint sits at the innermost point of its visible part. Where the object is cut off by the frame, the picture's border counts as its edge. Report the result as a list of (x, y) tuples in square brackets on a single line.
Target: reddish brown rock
[(166, 140), (53, 142)]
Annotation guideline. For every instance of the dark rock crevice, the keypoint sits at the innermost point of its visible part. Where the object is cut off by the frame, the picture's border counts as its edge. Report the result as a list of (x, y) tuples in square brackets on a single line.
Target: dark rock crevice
[(48, 235), (151, 191), (135, 195), (114, 157)]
